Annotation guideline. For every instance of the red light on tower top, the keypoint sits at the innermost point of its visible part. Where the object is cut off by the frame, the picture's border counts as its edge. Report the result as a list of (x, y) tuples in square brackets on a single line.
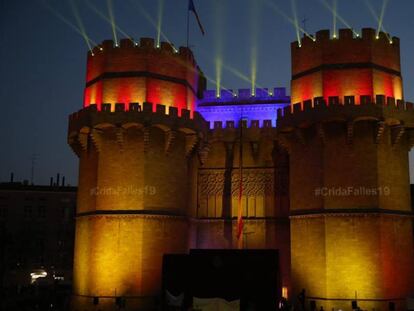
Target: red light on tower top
[(347, 65), (142, 73)]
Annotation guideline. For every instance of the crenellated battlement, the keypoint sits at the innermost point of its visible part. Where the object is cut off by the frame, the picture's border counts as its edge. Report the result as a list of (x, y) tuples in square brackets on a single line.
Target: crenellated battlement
[(129, 56), (253, 131), (232, 125), (347, 47), (135, 113), (145, 45), (347, 34), (135, 72), (258, 109), (346, 108), (277, 93)]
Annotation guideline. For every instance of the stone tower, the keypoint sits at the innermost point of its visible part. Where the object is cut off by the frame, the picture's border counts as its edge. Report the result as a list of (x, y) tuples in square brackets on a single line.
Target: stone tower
[(364, 65), (134, 175), (348, 134)]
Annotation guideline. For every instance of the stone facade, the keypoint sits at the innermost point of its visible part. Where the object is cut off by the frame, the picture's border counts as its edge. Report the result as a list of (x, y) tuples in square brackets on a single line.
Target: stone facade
[(351, 217), (158, 179)]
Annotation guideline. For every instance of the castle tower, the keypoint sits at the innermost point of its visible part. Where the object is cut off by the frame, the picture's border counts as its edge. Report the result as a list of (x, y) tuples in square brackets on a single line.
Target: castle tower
[(347, 65), (135, 160), (351, 217), (126, 74)]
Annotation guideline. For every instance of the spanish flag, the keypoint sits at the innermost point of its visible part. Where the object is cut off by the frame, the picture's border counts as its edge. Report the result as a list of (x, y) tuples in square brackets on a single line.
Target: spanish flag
[(191, 7), (240, 211)]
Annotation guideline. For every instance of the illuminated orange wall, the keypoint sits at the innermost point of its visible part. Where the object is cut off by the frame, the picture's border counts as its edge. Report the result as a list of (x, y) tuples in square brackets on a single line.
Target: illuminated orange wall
[(313, 78), (121, 256), (336, 253), (120, 253), (265, 203), (133, 175), (142, 60), (338, 256), (344, 244)]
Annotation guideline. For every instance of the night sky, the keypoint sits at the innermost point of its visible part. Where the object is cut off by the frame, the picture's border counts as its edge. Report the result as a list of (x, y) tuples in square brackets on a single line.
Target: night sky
[(42, 61)]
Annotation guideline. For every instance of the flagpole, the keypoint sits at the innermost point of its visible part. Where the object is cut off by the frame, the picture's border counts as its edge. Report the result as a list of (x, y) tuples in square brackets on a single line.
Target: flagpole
[(188, 27), (240, 207)]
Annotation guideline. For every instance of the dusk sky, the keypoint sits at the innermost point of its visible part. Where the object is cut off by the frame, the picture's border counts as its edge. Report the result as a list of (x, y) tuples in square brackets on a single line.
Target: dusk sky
[(43, 58)]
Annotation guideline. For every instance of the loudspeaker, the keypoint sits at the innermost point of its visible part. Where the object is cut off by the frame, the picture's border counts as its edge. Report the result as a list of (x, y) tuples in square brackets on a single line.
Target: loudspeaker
[(96, 301), (354, 305), (312, 305)]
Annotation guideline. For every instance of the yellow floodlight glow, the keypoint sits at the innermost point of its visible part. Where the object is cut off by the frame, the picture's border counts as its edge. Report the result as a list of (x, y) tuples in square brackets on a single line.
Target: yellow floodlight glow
[(237, 73), (229, 68), (71, 25), (285, 292), (218, 44), (112, 20), (80, 24), (253, 69), (219, 67), (159, 20), (275, 8), (108, 20), (214, 82), (254, 30), (295, 19), (243, 77), (138, 7), (381, 17), (337, 16), (377, 18), (334, 7)]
